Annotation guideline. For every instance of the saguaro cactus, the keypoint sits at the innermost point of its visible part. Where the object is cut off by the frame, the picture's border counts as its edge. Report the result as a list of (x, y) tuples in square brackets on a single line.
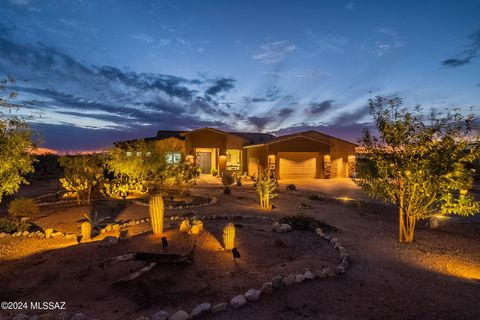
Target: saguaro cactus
[(156, 209), (229, 236), (86, 229)]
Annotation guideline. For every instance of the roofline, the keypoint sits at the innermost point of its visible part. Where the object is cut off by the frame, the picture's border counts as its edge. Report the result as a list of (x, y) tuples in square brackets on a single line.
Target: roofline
[(280, 139)]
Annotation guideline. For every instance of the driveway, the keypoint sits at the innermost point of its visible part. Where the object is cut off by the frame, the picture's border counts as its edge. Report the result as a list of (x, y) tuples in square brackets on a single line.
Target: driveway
[(341, 187)]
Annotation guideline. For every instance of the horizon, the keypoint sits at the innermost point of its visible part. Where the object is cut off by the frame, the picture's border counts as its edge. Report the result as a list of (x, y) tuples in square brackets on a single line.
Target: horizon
[(108, 71)]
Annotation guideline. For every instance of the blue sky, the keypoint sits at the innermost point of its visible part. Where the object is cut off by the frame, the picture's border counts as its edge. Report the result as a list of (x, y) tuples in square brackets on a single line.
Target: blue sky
[(108, 70)]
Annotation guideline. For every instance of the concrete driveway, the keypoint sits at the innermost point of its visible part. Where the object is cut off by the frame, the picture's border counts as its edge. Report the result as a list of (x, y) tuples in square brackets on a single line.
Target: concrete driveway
[(341, 187)]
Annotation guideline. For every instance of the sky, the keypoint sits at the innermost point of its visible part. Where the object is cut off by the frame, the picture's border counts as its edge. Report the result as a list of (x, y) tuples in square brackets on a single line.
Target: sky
[(109, 70)]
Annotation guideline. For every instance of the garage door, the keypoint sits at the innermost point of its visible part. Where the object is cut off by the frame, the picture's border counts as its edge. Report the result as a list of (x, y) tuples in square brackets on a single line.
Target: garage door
[(297, 165)]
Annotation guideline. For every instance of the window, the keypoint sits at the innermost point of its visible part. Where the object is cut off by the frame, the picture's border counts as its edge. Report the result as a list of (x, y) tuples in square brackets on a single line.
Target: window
[(129, 154), (173, 157)]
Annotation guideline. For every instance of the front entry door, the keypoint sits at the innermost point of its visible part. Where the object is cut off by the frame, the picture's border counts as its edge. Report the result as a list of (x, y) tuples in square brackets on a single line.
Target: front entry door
[(204, 161)]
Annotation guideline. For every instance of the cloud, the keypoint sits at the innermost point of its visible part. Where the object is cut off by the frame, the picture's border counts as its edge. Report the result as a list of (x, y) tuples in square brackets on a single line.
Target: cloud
[(143, 37), (350, 6), (274, 52), (271, 95), (71, 93), (305, 74), (390, 41), (471, 52), (316, 108), (220, 85), (260, 122), (285, 112), (331, 42)]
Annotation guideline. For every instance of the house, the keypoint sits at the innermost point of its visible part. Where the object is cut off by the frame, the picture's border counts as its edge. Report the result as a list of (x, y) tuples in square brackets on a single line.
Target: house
[(303, 155)]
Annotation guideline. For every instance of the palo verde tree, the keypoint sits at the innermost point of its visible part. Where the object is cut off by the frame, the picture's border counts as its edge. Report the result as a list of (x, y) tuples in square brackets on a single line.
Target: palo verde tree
[(82, 173), (420, 163), (16, 158), (266, 186)]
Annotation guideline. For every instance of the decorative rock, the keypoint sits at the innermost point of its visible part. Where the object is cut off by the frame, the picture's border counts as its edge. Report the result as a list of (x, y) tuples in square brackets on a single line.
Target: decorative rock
[(320, 274), (25, 233), (289, 280), (238, 302), (198, 223), (282, 227), (308, 275), (333, 241), (179, 315), (329, 272), (253, 294), (48, 233), (62, 316), (108, 228), (195, 229), (337, 245), (57, 234), (160, 315), (115, 227), (320, 232), (345, 263), (71, 236), (219, 307), (200, 310), (433, 222), (3, 235), (109, 241), (185, 226), (267, 288), (326, 237), (299, 278), (277, 281), (79, 316), (340, 269), (343, 255)]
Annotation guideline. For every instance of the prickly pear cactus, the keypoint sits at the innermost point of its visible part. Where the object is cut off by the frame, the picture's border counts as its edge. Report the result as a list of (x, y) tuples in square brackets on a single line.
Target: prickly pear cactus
[(156, 209), (86, 231), (229, 236)]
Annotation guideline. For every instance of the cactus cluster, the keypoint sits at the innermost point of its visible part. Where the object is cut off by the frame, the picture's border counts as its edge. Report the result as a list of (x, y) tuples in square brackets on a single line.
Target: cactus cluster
[(229, 236), (156, 210)]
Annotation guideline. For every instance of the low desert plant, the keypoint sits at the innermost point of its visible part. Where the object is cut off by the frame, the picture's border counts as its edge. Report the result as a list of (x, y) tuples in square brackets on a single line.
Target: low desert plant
[(123, 187), (95, 221), (291, 187), (214, 172), (239, 181), (22, 207), (12, 224), (227, 181), (303, 222)]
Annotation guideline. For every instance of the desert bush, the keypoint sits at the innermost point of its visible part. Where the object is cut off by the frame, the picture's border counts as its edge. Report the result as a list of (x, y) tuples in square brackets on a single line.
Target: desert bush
[(291, 187), (22, 207), (181, 176), (266, 185), (227, 181), (303, 222), (11, 224), (214, 172), (123, 186)]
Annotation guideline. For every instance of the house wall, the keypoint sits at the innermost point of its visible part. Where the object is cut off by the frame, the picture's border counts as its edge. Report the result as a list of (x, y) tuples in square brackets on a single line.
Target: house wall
[(170, 144)]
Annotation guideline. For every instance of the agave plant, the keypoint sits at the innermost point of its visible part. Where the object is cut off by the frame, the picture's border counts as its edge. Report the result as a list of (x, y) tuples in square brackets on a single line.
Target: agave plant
[(95, 221)]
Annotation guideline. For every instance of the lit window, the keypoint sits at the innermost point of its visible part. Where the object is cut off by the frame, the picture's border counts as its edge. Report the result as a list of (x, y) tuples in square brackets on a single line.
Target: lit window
[(129, 154), (148, 153), (173, 157), (139, 153)]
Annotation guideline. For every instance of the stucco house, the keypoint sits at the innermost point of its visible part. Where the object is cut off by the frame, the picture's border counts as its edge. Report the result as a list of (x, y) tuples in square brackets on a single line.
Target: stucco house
[(303, 155)]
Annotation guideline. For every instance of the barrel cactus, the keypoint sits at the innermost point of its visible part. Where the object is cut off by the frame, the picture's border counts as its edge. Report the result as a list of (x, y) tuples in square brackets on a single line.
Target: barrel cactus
[(156, 210), (229, 236), (86, 229)]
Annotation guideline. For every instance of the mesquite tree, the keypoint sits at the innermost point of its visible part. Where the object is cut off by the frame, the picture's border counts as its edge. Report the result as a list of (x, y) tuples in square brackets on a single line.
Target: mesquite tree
[(422, 164)]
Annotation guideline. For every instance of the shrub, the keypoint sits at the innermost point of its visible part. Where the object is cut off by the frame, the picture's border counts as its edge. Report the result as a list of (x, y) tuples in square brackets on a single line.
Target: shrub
[(266, 185), (291, 187), (10, 225), (239, 181), (303, 222), (22, 207), (214, 172), (227, 180)]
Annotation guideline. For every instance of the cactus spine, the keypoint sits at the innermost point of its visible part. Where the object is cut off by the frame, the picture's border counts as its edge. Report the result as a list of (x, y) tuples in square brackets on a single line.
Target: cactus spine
[(156, 209), (86, 231), (229, 236)]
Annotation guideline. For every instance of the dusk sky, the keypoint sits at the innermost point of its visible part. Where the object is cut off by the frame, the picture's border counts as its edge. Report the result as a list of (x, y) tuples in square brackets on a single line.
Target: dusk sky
[(107, 70)]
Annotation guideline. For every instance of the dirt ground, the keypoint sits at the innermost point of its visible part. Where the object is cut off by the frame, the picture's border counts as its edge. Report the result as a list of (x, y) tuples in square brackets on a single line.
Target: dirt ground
[(436, 277)]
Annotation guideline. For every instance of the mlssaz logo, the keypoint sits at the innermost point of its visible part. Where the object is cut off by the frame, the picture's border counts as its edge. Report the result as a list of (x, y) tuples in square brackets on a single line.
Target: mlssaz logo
[(47, 305)]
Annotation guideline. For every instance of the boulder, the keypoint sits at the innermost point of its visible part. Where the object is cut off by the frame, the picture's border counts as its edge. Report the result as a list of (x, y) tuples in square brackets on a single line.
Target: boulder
[(329, 272), (160, 315), (299, 278), (179, 315), (195, 229), (320, 274), (3, 234), (253, 294), (25, 233), (109, 241), (433, 222), (277, 281), (289, 280), (223, 306), (48, 233), (238, 302), (339, 269), (200, 310), (57, 234), (116, 227), (185, 226), (309, 275), (267, 288)]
